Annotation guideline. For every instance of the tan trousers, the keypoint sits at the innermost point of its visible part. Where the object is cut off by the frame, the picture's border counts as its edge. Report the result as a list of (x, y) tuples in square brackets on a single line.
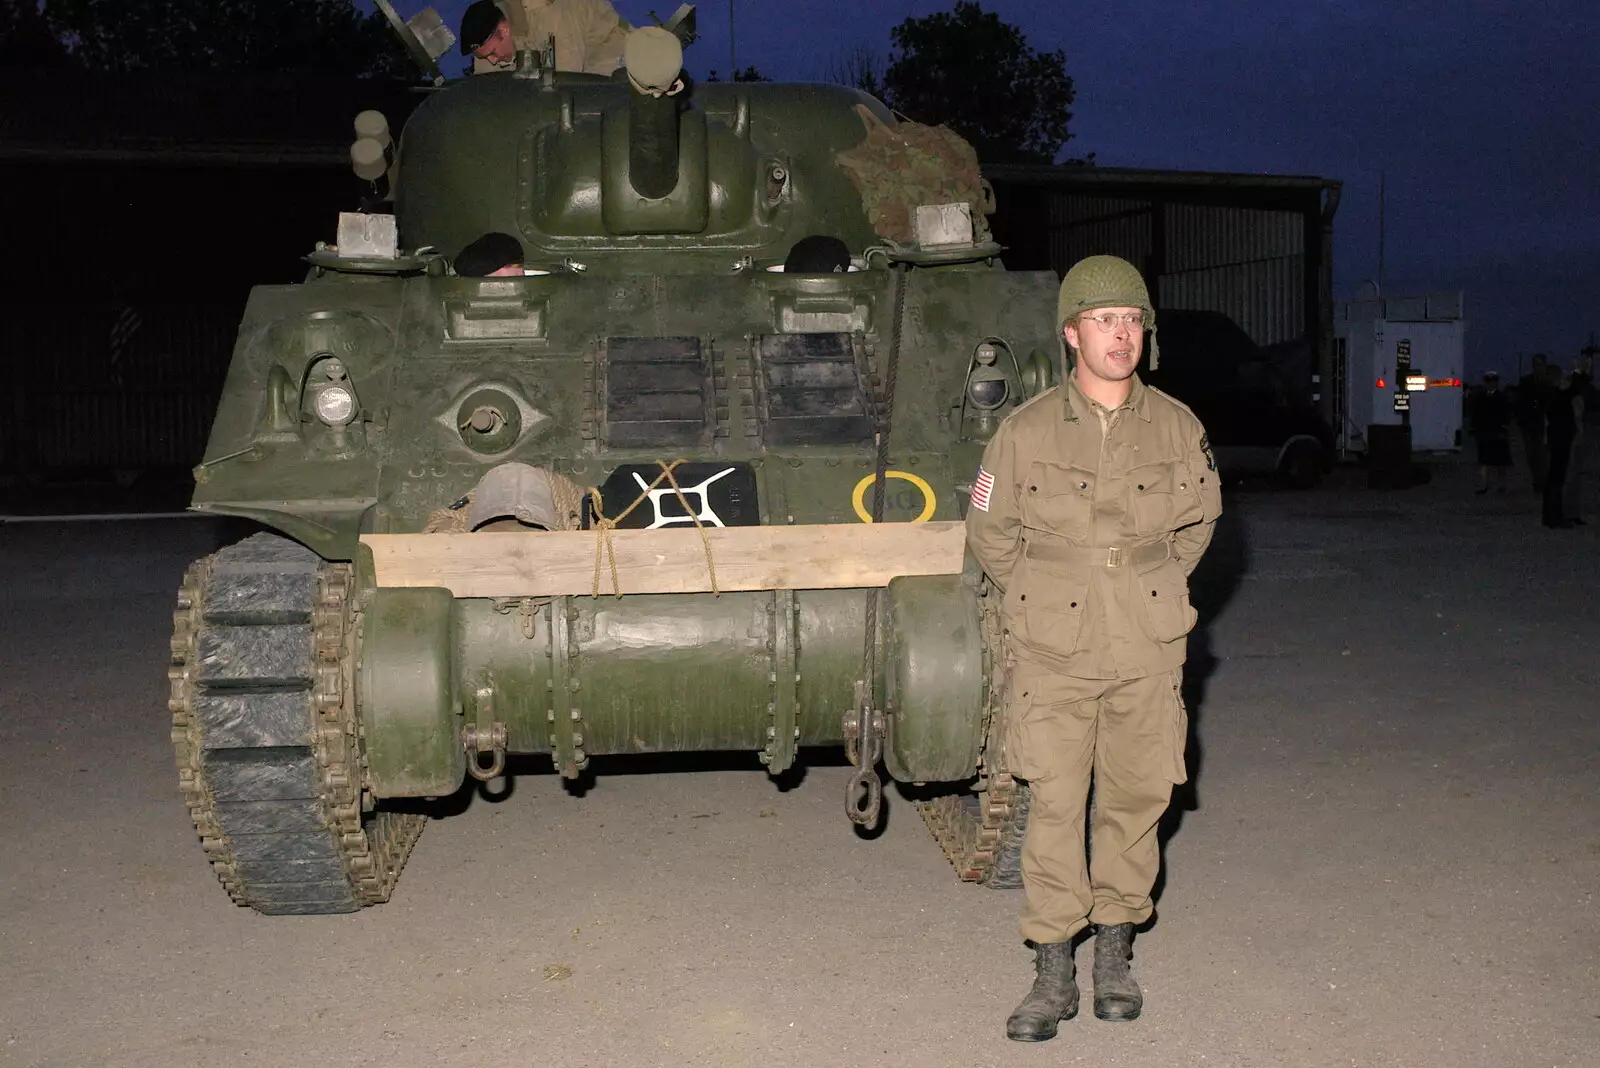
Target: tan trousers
[(1130, 735)]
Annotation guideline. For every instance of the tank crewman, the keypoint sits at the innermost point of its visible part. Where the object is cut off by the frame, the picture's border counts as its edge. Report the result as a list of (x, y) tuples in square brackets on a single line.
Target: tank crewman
[(589, 34), (494, 255), (817, 254), (1093, 505)]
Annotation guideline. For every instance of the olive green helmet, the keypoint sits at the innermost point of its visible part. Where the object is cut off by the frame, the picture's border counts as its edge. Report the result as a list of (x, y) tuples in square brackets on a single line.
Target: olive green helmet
[(1106, 282)]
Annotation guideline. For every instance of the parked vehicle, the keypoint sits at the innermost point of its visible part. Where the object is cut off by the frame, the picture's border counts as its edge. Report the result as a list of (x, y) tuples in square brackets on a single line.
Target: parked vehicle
[(1260, 419)]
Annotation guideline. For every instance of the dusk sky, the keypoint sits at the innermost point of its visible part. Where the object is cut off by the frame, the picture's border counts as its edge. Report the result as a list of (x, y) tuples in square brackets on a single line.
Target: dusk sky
[(1483, 114)]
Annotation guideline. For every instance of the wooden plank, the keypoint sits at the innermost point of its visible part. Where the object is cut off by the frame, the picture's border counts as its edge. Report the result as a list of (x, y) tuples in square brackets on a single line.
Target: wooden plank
[(673, 560)]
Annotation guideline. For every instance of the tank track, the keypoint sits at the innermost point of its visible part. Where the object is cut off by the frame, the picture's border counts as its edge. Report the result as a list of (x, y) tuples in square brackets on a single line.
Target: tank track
[(266, 736), (981, 833)]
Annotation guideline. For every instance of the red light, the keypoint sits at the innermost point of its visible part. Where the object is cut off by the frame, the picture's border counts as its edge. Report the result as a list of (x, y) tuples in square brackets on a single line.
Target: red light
[(1382, 384)]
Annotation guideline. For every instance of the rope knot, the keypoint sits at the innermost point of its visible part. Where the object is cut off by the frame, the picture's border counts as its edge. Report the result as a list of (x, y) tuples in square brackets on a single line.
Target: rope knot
[(605, 550)]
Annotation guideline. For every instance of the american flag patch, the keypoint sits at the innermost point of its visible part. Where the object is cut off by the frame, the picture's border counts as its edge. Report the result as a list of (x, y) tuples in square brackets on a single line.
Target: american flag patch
[(980, 490)]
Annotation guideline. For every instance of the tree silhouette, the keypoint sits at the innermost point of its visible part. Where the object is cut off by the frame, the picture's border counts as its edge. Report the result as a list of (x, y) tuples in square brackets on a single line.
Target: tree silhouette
[(858, 67), (26, 39), (971, 71), (229, 36), (746, 74)]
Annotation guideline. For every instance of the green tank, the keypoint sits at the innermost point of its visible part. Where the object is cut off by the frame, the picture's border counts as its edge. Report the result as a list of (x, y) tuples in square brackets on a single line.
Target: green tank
[(650, 494)]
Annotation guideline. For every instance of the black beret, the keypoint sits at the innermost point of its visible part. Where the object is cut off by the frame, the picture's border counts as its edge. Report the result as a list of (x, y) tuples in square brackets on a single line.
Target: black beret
[(478, 23), (488, 254), (817, 254)]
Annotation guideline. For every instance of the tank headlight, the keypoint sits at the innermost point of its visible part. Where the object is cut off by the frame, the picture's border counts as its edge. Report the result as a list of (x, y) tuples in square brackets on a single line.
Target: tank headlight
[(988, 393), (335, 405)]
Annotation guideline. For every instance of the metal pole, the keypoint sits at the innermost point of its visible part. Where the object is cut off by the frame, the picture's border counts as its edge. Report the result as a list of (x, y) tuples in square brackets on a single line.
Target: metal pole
[(1402, 375), (1381, 220), (733, 69)]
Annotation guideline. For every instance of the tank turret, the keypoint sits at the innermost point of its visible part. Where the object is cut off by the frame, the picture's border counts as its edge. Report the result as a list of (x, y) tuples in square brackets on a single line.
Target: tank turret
[(616, 177)]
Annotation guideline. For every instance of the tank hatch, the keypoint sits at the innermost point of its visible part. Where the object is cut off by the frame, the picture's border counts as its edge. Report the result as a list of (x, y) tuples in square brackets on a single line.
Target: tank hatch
[(811, 391), (657, 392)]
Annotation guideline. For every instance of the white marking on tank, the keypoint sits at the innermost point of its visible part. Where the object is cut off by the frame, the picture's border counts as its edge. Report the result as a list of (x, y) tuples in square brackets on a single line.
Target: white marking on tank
[(706, 514)]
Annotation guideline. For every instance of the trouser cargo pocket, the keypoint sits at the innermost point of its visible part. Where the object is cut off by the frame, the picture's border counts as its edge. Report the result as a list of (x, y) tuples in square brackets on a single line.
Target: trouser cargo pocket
[(1026, 750)]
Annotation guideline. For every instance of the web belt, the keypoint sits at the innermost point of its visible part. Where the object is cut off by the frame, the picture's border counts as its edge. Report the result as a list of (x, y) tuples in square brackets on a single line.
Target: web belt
[(1100, 555)]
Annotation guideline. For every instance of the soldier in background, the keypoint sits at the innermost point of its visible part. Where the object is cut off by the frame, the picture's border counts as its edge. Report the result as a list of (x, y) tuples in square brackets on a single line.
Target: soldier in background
[(1580, 391), (1489, 414), (589, 34), (1560, 432), (1529, 408), (1093, 505)]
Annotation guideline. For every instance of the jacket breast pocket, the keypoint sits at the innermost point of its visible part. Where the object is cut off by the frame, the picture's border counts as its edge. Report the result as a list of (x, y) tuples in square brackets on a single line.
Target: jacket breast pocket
[(1045, 607), (1059, 499), (1164, 592), (1164, 498)]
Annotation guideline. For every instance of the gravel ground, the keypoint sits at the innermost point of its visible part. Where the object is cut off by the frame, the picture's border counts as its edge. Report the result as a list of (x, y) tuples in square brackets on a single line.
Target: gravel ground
[(1388, 854)]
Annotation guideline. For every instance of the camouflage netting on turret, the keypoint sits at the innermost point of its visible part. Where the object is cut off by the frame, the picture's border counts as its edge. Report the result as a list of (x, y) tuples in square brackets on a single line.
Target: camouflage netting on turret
[(897, 168)]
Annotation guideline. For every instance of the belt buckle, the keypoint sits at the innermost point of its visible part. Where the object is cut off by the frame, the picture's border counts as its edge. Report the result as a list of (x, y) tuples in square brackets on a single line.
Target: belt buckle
[(1114, 556)]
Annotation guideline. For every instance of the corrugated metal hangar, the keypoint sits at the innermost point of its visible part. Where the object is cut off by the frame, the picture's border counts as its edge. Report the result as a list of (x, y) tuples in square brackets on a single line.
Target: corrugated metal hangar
[(1257, 248)]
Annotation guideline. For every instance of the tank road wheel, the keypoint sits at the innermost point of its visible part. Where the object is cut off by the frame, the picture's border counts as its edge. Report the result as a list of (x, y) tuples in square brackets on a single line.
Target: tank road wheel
[(981, 833), (264, 726)]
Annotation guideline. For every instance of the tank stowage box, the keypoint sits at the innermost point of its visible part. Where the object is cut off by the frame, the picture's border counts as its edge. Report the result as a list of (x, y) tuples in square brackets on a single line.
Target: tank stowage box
[(645, 491)]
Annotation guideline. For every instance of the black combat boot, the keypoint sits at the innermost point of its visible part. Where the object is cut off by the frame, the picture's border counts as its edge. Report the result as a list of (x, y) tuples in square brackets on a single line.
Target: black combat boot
[(1054, 996), (1116, 995)]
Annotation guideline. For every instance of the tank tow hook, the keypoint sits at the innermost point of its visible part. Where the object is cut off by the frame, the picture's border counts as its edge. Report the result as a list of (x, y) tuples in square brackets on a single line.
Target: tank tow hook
[(477, 741), (863, 745)]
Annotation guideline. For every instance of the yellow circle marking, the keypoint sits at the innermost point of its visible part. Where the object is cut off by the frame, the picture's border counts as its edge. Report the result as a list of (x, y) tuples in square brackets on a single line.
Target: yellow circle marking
[(930, 502)]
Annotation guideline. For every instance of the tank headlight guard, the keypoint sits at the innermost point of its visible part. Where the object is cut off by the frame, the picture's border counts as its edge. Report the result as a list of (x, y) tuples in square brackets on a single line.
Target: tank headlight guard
[(987, 386)]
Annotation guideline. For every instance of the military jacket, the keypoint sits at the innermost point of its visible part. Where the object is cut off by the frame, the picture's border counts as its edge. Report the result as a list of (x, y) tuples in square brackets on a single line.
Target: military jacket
[(1090, 521), (589, 34)]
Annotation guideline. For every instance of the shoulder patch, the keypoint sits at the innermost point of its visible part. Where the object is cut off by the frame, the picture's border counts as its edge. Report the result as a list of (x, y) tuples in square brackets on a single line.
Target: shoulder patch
[(1205, 450)]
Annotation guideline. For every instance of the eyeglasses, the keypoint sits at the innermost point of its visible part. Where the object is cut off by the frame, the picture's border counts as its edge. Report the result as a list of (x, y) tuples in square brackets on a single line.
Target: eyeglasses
[(1107, 321)]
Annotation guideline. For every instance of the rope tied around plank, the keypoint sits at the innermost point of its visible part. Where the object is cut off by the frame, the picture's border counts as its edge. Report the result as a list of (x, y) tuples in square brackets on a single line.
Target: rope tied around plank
[(604, 525)]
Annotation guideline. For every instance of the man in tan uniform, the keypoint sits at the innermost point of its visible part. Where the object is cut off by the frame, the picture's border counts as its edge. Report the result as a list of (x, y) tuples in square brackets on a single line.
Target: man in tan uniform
[(589, 34), (1093, 505)]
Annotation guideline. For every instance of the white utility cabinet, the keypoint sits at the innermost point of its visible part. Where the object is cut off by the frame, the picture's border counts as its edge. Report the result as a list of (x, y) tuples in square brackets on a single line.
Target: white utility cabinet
[(1367, 333)]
